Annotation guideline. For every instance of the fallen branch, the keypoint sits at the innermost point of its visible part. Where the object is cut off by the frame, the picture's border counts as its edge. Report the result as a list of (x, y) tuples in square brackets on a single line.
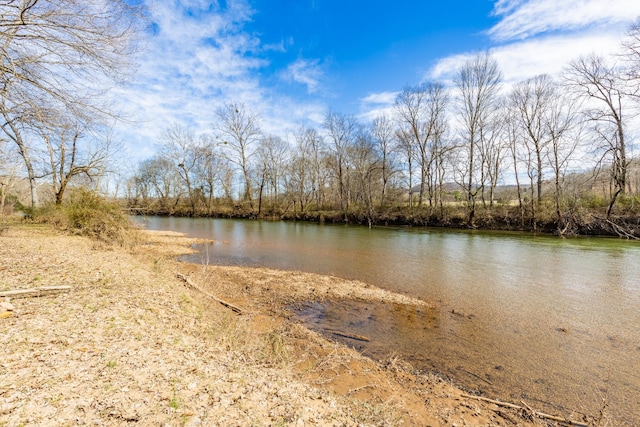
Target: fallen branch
[(527, 408), (193, 285), (34, 292), (621, 231), (496, 402), (345, 335)]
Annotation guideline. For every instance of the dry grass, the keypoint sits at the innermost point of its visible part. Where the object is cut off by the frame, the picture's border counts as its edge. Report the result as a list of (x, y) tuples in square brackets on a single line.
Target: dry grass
[(131, 344)]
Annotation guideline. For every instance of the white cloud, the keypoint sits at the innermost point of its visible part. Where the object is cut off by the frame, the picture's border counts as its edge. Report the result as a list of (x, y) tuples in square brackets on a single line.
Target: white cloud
[(197, 58), (521, 19), (286, 115), (376, 105), (306, 72), (380, 98), (545, 55), (543, 36)]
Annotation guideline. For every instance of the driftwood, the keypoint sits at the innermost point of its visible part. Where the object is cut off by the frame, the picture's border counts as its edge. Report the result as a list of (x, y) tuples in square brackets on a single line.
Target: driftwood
[(34, 292), (527, 408), (345, 335), (621, 231), (193, 285)]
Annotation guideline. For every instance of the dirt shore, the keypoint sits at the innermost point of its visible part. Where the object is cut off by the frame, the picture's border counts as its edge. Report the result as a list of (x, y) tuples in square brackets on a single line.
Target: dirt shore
[(133, 343)]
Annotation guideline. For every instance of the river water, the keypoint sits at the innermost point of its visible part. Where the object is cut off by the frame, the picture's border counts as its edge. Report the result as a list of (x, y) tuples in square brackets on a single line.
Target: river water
[(549, 321)]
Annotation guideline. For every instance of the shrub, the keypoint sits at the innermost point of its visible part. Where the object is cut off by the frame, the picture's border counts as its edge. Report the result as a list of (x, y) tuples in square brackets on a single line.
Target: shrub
[(629, 204), (86, 213), (591, 201)]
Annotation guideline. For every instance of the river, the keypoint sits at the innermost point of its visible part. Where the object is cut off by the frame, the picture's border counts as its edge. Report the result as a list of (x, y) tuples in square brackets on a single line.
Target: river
[(549, 321)]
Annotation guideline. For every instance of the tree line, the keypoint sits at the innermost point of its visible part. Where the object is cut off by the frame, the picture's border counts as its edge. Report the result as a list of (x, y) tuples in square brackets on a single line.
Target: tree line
[(444, 150)]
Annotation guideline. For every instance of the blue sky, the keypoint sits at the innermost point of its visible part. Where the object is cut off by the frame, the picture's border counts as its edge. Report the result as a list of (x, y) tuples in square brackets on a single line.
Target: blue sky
[(361, 46), (293, 60)]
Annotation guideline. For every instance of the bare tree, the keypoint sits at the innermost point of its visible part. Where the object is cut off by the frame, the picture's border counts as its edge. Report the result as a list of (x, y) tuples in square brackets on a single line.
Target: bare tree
[(157, 181), (478, 83), (492, 150), (561, 123), (513, 133), (272, 155), (73, 151), (227, 174), (407, 152), (300, 181), (532, 99), (208, 171), (444, 151), (542, 129), (420, 113), (16, 125), (183, 150), (367, 168), (239, 129), (117, 163), (318, 157), (60, 54), (342, 131), (307, 174), (9, 170), (603, 89), (383, 134), (631, 54), (411, 109)]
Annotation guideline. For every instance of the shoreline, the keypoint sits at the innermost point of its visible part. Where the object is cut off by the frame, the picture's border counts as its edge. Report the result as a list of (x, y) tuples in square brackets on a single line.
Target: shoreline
[(131, 343), (591, 223)]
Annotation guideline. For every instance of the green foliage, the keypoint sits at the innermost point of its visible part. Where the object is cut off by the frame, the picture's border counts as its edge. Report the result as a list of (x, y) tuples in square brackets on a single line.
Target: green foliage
[(86, 213), (174, 403), (591, 201), (629, 204)]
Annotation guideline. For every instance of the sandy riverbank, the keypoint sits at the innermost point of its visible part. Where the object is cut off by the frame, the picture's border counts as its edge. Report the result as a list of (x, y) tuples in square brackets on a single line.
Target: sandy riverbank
[(131, 343)]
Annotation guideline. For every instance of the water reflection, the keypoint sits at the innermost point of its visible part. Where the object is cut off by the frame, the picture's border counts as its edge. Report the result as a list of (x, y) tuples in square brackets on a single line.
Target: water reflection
[(518, 316)]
